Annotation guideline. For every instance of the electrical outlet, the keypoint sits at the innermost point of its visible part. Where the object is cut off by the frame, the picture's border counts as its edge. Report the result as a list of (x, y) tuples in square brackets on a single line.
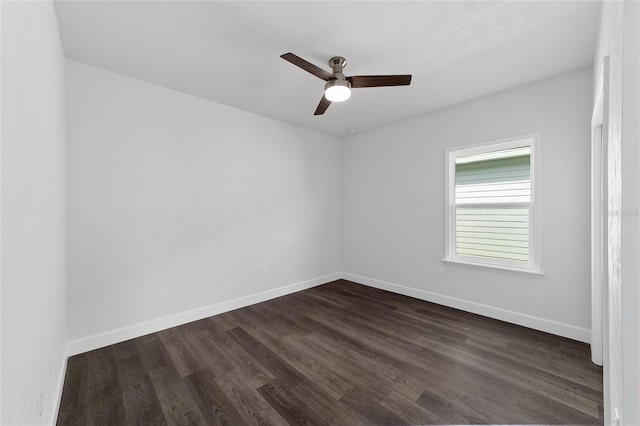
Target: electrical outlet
[(264, 271), (440, 272)]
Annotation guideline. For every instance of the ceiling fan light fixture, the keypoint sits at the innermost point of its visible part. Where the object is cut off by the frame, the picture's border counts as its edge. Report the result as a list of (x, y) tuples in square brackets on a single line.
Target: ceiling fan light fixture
[(337, 90), (338, 86)]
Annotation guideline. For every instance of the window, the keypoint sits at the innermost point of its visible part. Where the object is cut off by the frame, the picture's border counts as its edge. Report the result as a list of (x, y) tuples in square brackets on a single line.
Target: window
[(492, 217)]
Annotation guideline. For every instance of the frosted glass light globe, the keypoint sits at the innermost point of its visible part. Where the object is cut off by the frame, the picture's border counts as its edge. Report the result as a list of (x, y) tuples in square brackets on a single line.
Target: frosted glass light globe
[(337, 91)]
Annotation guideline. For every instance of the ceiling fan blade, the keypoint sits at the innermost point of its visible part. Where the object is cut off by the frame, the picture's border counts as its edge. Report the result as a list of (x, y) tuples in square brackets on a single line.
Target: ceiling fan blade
[(322, 106), (358, 81), (307, 66)]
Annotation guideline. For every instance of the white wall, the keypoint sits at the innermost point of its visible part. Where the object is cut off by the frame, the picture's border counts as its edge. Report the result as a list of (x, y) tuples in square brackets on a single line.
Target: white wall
[(631, 214), (393, 201), (33, 193), (176, 202), (619, 39)]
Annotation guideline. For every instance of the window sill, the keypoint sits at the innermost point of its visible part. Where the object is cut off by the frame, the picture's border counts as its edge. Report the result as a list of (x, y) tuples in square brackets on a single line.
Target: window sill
[(494, 268)]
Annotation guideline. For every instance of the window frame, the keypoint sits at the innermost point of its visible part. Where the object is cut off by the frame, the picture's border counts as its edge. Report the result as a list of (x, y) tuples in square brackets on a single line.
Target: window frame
[(534, 266)]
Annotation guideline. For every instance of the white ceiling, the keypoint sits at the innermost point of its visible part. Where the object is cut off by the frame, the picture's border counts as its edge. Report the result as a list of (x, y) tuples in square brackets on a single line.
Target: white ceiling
[(229, 51)]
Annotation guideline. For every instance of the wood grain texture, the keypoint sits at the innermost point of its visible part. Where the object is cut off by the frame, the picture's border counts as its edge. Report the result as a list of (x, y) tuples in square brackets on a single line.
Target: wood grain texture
[(340, 353)]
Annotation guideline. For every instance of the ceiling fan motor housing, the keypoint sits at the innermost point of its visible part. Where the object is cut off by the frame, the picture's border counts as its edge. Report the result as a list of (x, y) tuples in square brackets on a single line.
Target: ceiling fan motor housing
[(337, 63), (339, 81)]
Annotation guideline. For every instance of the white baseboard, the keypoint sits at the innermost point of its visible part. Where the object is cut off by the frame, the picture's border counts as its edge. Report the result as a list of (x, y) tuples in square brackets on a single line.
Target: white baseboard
[(86, 344), (536, 323)]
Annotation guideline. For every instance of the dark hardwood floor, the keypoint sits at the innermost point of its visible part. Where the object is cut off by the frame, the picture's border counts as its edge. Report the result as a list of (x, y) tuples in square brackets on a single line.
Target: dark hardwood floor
[(342, 354)]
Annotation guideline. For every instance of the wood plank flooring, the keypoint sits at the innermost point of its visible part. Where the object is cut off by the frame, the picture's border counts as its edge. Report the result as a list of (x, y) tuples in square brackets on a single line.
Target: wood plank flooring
[(341, 354)]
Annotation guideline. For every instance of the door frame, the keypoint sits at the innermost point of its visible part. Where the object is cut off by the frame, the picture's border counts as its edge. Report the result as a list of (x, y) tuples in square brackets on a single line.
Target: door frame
[(599, 207)]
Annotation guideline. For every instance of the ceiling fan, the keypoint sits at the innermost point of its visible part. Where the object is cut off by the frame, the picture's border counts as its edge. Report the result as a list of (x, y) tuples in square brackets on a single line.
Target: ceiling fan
[(338, 87)]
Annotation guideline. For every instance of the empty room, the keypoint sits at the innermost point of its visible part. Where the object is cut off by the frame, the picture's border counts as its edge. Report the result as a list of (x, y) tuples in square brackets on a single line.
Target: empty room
[(319, 212)]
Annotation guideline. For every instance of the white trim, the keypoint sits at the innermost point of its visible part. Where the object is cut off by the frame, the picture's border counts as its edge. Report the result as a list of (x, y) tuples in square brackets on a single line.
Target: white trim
[(534, 266), (57, 396), (597, 115), (536, 323), (86, 344), (494, 268), (598, 206), (1, 351)]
